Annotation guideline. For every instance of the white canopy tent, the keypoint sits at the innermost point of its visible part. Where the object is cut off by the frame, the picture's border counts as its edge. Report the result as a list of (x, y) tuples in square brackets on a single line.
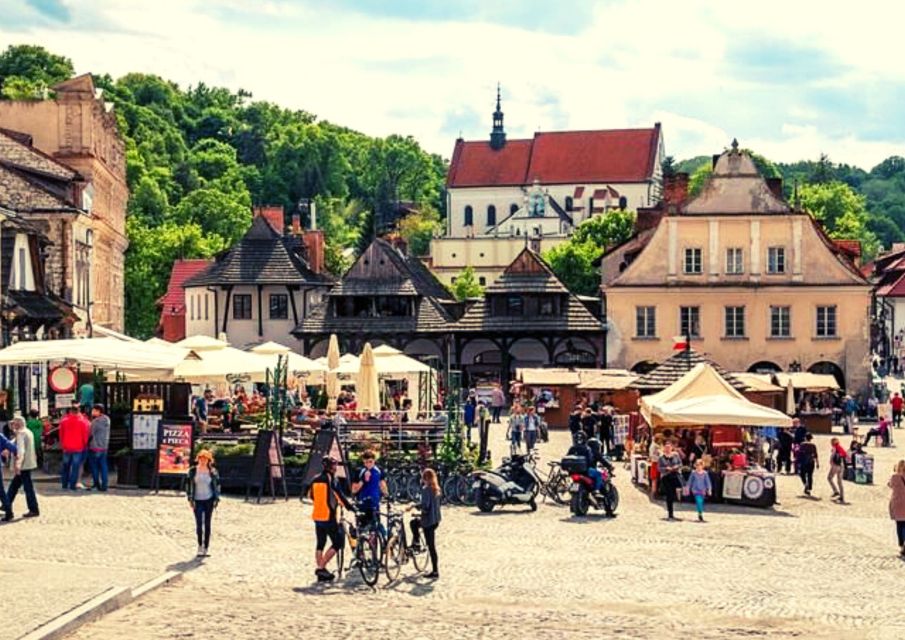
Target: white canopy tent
[(217, 362), (703, 397), (298, 365), (105, 353)]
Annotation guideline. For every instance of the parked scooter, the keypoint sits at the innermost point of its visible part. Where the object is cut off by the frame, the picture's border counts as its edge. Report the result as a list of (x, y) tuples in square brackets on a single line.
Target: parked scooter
[(583, 496), (514, 482)]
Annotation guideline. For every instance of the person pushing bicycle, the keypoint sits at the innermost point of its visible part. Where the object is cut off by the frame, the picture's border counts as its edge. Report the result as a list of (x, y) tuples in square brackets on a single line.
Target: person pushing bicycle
[(327, 494)]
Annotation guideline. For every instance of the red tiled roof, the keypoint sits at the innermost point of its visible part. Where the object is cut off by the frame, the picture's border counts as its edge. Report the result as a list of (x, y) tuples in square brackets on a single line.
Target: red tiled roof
[(562, 157), (894, 290), (851, 247), (173, 301), (475, 164)]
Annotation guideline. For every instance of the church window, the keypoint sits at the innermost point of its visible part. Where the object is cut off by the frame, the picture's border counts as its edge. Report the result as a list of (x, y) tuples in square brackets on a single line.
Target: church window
[(469, 215)]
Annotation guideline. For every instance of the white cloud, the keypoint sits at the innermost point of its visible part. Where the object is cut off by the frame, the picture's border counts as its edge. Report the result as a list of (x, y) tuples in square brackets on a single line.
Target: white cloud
[(632, 64)]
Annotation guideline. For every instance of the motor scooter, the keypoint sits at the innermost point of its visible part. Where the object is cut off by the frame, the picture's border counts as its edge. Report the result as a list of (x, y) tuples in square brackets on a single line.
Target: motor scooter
[(514, 482)]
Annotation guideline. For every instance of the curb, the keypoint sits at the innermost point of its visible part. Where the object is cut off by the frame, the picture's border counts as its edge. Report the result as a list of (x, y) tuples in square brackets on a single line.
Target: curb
[(102, 604)]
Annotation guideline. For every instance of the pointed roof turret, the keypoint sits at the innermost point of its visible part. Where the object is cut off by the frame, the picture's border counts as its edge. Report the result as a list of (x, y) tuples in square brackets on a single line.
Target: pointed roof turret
[(497, 134)]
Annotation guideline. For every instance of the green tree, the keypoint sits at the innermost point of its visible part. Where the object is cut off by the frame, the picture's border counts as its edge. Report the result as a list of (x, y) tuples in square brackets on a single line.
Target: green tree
[(29, 69), (215, 212), (610, 229), (573, 264), (842, 211), (466, 285), (151, 253), (418, 227)]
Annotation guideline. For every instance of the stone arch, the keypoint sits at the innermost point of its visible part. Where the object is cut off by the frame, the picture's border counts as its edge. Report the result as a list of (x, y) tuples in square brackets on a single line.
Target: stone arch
[(528, 352), (575, 351), (764, 366), (825, 366), (644, 366)]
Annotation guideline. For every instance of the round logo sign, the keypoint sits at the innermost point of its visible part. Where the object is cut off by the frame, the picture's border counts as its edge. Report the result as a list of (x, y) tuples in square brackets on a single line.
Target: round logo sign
[(62, 379)]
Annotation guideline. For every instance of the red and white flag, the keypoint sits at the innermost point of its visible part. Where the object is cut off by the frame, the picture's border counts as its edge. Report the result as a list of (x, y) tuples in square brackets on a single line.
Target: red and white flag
[(679, 343)]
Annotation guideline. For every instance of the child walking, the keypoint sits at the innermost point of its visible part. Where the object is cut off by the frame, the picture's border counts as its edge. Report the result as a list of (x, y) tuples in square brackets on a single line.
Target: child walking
[(699, 486)]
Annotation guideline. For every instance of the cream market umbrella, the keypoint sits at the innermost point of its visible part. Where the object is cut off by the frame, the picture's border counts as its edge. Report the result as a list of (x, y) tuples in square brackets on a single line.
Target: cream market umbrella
[(297, 364), (367, 390), (217, 362), (332, 376), (790, 398)]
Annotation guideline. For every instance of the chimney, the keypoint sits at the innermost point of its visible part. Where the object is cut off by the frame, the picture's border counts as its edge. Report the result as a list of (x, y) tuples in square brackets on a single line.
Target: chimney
[(273, 214), (296, 224), (675, 189), (399, 243), (775, 186), (314, 249), (648, 218)]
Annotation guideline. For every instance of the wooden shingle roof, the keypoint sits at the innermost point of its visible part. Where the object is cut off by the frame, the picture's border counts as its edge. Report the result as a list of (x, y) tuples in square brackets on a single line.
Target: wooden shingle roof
[(432, 317), (677, 366), (262, 256)]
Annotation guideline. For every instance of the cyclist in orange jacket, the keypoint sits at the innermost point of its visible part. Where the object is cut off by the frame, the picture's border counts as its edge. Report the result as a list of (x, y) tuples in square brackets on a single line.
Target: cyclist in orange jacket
[(326, 494)]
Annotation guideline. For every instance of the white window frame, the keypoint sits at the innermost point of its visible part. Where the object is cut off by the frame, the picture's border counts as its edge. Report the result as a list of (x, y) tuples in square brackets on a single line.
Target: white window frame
[(823, 309), (694, 331), (788, 323), (645, 321), (735, 261), (776, 257), (735, 328), (696, 254)]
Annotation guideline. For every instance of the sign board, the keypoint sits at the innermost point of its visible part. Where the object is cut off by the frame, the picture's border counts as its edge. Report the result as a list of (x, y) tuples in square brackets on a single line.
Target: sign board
[(145, 427), (62, 379), (266, 464), (147, 403), (174, 447), (63, 400), (326, 443)]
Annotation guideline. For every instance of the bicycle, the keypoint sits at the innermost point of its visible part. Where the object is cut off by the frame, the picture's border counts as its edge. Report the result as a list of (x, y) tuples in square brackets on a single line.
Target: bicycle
[(398, 550), (366, 545), (555, 484)]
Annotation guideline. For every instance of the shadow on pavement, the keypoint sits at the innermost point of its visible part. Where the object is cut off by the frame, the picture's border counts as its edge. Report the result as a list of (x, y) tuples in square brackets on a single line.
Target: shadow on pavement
[(186, 565)]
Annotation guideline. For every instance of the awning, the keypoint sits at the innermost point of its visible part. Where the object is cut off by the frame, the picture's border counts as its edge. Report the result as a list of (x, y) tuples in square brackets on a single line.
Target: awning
[(106, 353), (35, 307), (757, 382), (808, 381)]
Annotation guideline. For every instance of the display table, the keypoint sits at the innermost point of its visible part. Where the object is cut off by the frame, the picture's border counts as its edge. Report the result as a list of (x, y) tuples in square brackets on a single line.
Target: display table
[(817, 422), (752, 487)]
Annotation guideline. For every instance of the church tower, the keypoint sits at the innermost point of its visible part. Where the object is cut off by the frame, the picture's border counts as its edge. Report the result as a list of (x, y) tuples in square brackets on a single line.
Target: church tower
[(497, 134)]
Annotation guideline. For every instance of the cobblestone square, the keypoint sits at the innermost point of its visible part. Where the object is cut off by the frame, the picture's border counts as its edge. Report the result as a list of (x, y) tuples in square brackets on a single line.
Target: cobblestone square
[(808, 569)]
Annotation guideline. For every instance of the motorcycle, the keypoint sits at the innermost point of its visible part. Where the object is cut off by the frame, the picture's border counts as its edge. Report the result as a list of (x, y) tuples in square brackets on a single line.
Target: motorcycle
[(583, 496), (514, 482)]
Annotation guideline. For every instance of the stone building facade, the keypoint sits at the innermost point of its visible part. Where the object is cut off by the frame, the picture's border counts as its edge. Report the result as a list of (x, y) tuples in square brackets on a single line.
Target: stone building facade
[(78, 129)]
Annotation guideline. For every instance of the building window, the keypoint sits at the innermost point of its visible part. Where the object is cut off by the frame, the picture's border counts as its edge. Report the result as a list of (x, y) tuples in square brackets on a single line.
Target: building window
[(469, 215), (693, 260), (482, 280), (242, 306), (735, 322), (491, 215), (735, 261), (645, 322), (826, 321), (207, 300), (514, 306), (776, 260), (570, 204), (690, 321), (191, 307), (780, 322), (546, 306), (513, 208), (279, 306)]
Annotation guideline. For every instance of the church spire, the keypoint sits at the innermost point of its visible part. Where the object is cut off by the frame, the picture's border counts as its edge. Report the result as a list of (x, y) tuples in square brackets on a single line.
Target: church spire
[(497, 134)]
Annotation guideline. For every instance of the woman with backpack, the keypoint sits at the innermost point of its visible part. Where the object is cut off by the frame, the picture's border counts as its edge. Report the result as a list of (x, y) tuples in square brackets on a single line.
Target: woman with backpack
[(203, 492)]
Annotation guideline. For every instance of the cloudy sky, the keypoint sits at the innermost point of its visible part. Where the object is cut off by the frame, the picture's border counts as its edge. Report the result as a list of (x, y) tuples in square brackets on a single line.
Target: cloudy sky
[(790, 79)]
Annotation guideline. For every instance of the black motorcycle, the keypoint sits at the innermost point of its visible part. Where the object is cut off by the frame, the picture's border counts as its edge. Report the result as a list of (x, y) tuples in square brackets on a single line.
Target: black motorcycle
[(583, 496), (514, 482)]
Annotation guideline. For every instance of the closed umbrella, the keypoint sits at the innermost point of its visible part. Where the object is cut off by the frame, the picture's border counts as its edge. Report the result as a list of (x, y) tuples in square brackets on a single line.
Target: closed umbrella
[(790, 398), (332, 377), (367, 391)]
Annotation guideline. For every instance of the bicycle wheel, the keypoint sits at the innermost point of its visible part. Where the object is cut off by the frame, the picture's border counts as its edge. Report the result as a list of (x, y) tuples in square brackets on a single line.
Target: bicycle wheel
[(413, 487), (394, 557), (465, 491), (369, 557), (393, 486), (450, 489), (560, 487), (340, 554), (419, 556)]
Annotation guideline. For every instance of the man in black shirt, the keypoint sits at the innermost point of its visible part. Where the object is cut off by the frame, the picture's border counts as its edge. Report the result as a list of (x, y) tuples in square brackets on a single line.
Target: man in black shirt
[(807, 462)]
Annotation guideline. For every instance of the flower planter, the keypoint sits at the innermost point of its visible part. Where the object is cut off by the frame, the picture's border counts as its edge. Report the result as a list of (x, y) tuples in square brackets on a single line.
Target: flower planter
[(126, 471), (234, 471)]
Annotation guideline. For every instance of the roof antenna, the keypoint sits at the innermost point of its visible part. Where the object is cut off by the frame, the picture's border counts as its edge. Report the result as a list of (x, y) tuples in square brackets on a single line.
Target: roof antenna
[(796, 198)]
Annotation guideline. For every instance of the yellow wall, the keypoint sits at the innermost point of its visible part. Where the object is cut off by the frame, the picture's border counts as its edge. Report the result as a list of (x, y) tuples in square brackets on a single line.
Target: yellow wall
[(814, 276)]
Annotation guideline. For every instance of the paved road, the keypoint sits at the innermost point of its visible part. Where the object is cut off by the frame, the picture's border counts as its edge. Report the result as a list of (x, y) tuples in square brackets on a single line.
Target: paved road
[(808, 569)]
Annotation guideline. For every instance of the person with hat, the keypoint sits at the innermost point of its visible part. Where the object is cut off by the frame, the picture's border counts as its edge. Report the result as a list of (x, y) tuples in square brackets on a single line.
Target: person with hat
[(326, 494), (203, 492)]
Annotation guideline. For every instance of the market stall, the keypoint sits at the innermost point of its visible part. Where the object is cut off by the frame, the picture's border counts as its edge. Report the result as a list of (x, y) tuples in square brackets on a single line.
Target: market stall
[(703, 403), (760, 389), (816, 397), (612, 388)]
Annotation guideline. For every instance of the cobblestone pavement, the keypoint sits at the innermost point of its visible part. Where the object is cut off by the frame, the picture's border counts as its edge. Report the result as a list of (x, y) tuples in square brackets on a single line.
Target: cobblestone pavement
[(808, 569)]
